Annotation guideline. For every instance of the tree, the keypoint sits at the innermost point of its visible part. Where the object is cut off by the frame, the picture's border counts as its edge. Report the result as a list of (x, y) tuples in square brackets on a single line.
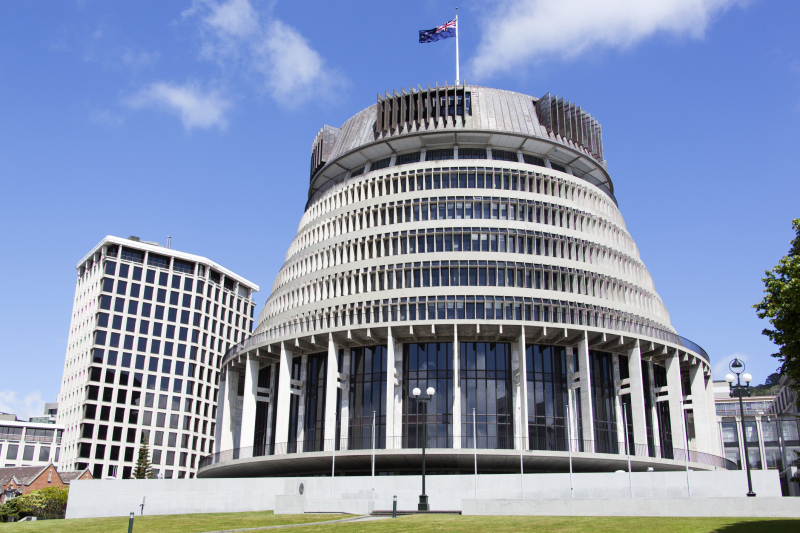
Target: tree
[(143, 469), (781, 305)]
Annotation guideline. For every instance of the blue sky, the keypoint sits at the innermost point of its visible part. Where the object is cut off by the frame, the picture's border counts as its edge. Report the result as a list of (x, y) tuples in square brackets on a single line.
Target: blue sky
[(195, 120)]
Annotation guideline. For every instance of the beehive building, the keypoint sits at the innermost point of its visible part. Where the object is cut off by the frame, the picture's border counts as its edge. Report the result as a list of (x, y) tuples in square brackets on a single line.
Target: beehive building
[(467, 239)]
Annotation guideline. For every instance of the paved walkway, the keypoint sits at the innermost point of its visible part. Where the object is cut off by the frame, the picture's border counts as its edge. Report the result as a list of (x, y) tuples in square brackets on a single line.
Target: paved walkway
[(364, 518)]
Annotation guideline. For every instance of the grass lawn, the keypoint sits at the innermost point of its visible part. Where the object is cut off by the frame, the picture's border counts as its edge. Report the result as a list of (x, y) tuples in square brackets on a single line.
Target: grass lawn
[(182, 523), (199, 523), (555, 524)]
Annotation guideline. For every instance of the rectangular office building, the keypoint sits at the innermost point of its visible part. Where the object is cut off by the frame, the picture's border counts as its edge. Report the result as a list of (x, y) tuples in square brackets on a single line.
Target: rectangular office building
[(148, 330)]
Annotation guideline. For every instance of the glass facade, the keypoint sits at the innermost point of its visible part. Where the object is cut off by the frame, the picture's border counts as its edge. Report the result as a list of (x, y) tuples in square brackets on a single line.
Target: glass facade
[(546, 381), (314, 434), (603, 402), (367, 396), (485, 373), (428, 365), (261, 444), (662, 412)]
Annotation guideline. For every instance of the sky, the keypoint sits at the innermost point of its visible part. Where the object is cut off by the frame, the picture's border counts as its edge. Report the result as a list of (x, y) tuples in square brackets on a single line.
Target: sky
[(195, 119)]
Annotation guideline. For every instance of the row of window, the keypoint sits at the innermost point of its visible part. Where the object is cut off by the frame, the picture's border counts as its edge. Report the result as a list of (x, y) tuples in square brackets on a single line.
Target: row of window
[(28, 453), (175, 298), (457, 209), (201, 408), (469, 239), (96, 375), (470, 307), (485, 375), (468, 274), (427, 179)]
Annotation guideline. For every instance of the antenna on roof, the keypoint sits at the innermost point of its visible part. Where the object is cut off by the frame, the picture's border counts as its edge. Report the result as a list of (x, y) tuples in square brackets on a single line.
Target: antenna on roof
[(169, 242)]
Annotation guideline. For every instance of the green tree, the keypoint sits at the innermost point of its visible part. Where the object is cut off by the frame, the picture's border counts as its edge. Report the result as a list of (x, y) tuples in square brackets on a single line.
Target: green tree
[(781, 305), (143, 469)]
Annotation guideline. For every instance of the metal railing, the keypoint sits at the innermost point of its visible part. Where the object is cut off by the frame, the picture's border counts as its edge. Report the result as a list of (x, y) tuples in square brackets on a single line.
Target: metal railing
[(686, 343), (469, 443)]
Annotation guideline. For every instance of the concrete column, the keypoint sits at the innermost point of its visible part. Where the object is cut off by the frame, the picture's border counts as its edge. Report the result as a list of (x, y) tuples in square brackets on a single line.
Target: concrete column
[(587, 414), (761, 450), (618, 404), (573, 419), (675, 395), (523, 400), (653, 406), (248, 430), (390, 387), (331, 386), (345, 414), (396, 429), (700, 408), (637, 395), (284, 396), (715, 441), (456, 390), (223, 421), (229, 414), (520, 391), (301, 403)]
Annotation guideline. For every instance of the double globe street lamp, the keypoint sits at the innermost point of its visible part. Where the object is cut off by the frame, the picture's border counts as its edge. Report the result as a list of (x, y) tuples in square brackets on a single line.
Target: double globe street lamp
[(423, 498), (737, 367)]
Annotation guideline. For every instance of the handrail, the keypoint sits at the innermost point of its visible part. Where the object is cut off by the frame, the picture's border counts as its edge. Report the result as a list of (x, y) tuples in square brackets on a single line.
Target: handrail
[(467, 443)]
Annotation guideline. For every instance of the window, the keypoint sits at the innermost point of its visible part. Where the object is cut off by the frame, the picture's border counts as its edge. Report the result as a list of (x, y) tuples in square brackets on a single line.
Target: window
[(408, 158), (44, 454), (472, 153), (439, 155), (368, 375), (504, 155), (428, 365)]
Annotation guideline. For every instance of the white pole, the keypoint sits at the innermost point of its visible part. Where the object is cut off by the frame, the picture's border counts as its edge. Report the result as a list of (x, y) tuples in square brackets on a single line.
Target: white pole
[(333, 464), (686, 455), (457, 73), (373, 455), (521, 469), (475, 448), (569, 447), (627, 447)]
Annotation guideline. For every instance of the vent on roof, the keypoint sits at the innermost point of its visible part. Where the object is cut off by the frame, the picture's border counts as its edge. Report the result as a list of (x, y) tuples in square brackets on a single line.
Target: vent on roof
[(134, 239)]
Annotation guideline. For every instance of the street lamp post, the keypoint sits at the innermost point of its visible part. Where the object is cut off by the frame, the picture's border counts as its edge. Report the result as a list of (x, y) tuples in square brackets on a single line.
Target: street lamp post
[(737, 367), (423, 498)]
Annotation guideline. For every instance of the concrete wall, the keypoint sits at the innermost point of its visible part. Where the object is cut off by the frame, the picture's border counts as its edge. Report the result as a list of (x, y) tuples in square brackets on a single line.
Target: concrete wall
[(176, 496), (696, 507)]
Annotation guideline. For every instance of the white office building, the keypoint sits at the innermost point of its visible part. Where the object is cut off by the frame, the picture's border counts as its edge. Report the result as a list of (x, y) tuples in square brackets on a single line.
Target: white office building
[(29, 443), (149, 326)]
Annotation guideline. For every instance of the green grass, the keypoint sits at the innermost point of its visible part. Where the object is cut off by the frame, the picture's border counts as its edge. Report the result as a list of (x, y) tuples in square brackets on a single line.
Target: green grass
[(555, 524), (182, 523), (199, 523)]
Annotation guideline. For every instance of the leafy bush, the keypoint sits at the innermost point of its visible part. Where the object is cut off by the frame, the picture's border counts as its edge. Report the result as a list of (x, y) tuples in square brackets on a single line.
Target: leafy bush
[(46, 503)]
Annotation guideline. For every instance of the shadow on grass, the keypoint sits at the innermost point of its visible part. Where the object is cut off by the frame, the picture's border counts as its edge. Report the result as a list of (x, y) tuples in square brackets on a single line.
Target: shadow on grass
[(762, 525)]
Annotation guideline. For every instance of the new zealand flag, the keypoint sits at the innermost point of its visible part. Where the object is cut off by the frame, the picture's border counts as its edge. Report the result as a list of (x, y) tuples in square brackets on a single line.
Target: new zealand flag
[(440, 32)]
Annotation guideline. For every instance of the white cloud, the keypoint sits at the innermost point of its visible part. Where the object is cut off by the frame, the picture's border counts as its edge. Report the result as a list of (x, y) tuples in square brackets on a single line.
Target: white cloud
[(521, 31), (720, 368), (196, 109), (237, 17), (235, 34), (290, 66), (31, 405)]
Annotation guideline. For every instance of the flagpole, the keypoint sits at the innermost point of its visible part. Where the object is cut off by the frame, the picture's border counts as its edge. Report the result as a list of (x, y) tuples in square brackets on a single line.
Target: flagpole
[(457, 73)]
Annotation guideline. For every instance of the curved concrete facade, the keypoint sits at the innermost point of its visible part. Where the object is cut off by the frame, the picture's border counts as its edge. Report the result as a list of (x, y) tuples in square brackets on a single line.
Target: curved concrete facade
[(466, 239)]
